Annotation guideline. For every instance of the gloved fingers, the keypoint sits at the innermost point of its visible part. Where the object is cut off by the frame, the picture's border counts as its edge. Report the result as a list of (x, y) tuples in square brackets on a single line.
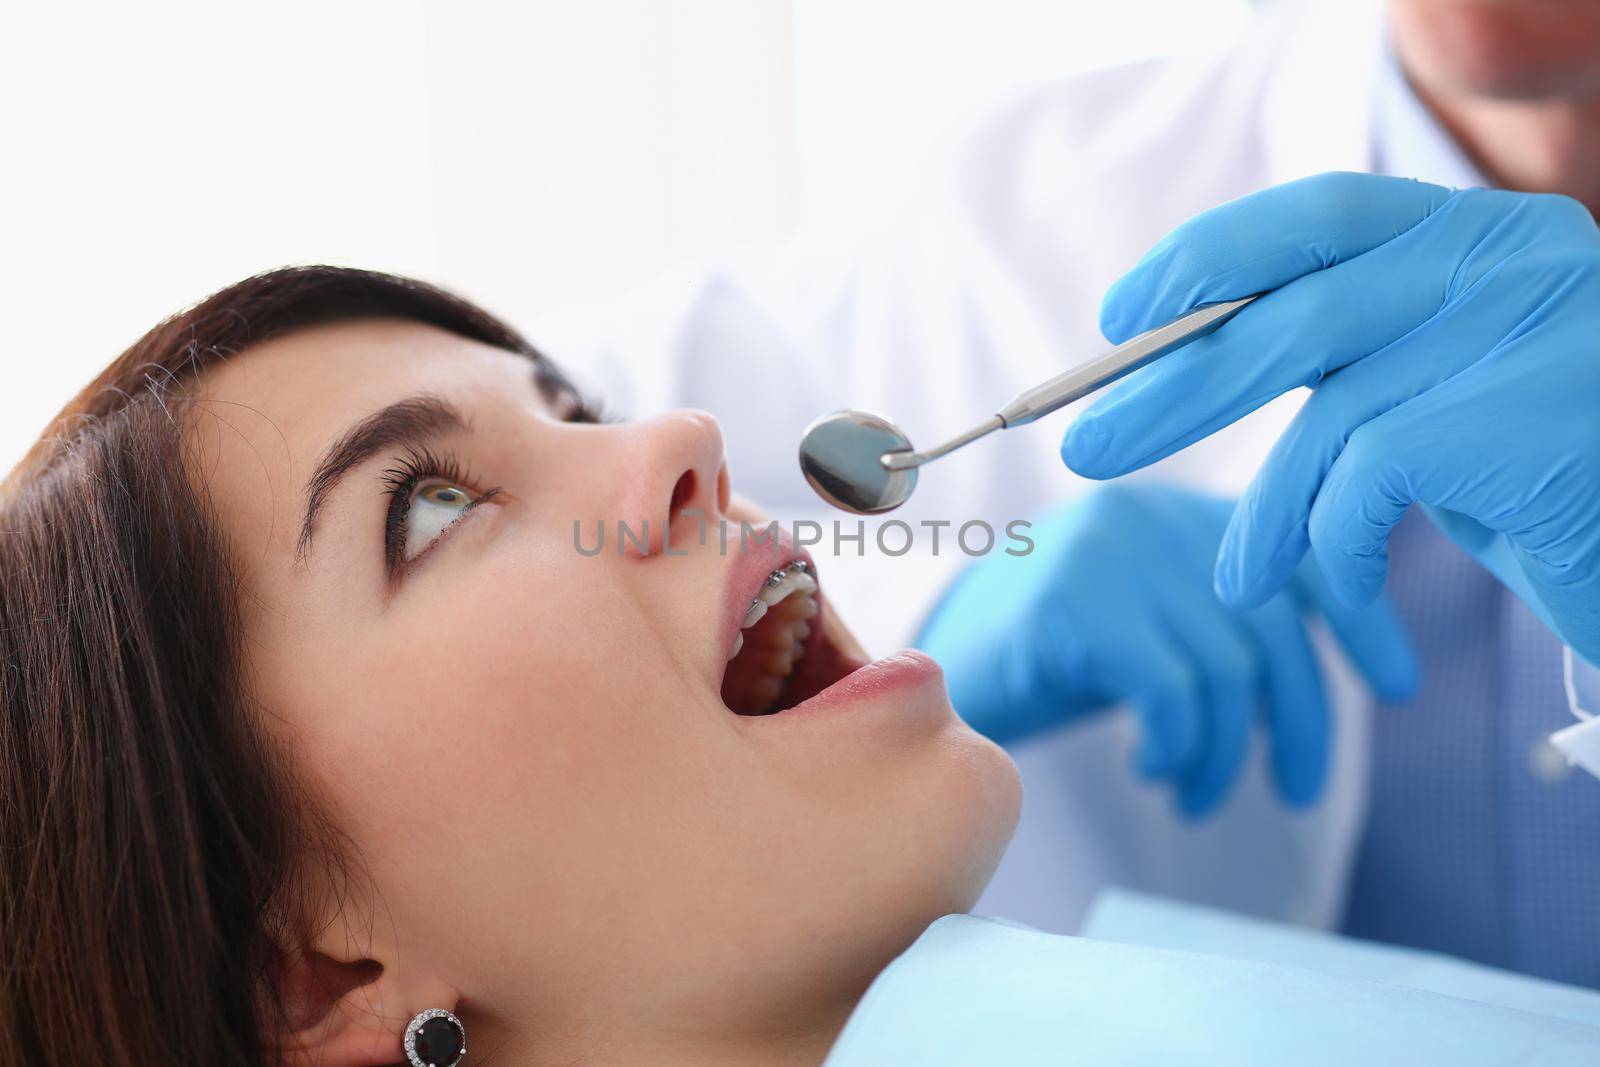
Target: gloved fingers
[(1295, 336), (1511, 264), (1510, 443), (1227, 668), (1172, 713), (1298, 724), (1268, 532), (1435, 449), (1144, 666), (1366, 492), (1374, 635), (1263, 241)]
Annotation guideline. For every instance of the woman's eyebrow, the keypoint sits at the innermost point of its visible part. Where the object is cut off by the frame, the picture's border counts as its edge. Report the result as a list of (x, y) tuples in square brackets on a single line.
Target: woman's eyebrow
[(413, 419)]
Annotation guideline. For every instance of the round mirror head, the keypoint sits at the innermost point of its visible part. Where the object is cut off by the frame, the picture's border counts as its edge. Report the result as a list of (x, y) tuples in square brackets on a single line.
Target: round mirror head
[(840, 455)]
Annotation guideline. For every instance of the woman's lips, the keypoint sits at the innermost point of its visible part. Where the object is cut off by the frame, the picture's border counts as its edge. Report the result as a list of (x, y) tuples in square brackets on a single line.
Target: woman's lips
[(888, 676)]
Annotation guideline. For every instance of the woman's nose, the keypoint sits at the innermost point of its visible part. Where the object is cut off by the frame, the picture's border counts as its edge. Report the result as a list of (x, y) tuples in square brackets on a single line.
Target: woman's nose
[(677, 487)]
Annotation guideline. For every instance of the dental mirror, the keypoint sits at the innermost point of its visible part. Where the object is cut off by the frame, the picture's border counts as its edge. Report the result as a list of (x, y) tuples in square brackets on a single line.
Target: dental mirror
[(864, 463), (841, 456)]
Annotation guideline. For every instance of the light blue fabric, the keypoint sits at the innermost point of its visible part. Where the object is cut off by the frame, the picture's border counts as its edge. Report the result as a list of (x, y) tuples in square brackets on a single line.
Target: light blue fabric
[(1136, 918), (975, 991)]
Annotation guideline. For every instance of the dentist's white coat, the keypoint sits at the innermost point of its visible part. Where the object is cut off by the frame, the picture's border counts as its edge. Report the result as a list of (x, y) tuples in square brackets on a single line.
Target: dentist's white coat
[(986, 278)]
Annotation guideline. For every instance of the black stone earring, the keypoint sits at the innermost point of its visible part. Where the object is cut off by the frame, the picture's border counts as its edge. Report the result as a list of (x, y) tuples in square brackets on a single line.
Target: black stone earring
[(435, 1038)]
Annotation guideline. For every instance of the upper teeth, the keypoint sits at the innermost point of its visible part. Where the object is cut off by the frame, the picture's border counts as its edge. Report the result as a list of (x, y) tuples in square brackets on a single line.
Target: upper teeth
[(779, 586), (796, 577)]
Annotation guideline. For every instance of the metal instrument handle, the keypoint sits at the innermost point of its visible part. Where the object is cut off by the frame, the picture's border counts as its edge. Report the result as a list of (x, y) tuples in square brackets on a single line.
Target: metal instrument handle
[(1122, 360)]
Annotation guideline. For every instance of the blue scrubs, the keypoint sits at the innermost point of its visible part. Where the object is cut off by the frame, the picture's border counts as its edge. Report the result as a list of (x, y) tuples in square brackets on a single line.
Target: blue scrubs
[(980, 991)]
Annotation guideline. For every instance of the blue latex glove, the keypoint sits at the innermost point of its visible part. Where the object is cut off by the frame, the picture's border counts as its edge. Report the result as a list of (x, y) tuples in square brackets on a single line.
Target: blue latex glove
[(1115, 603), (1452, 340)]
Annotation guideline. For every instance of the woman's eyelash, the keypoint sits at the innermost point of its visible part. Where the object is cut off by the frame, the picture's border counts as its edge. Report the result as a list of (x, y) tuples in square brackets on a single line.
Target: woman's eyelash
[(421, 463), (417, 465)]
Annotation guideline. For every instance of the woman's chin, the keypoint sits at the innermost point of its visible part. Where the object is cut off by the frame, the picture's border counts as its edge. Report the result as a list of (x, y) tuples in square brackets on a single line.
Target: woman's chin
[(953, 812), (989, 791)]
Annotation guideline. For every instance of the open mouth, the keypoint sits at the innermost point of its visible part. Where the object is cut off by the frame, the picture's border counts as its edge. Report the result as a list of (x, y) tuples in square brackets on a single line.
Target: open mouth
[(782, 656)]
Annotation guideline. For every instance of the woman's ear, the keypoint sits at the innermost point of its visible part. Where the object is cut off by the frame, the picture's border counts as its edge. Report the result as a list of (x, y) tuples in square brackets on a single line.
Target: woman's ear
[(333, 1012), (344, 994), (343, 1008)]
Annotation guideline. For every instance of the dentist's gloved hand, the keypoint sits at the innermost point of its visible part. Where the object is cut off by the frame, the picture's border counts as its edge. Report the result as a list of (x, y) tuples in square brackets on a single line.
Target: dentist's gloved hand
[(1452, 340), (1115, 604)]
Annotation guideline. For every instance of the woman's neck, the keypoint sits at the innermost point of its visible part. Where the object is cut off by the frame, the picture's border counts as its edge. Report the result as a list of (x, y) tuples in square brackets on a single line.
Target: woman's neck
[(801, 1040), (789, 1049)]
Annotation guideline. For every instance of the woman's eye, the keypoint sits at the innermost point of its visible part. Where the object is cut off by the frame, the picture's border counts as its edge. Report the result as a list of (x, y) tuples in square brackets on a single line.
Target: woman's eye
[(434, 506)]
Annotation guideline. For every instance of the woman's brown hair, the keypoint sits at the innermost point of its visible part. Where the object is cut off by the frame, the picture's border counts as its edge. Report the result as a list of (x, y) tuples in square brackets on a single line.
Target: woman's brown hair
[(148, 836)]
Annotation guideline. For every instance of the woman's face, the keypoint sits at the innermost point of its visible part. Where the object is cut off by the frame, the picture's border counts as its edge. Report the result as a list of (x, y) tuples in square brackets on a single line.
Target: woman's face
[(529, 746)]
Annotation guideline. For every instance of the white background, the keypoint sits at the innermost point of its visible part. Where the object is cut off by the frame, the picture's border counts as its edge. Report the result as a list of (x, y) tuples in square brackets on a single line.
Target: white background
[(534, 155)]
